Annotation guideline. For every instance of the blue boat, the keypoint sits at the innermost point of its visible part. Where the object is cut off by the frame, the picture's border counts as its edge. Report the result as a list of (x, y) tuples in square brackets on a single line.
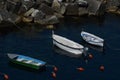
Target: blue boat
[(26, 61)]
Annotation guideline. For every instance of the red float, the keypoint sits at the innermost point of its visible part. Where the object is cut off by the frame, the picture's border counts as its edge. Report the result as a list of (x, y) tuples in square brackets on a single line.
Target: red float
[(102, 68), (90, 56), (55, 69), (53, 74), (6, 77), (80, 69)]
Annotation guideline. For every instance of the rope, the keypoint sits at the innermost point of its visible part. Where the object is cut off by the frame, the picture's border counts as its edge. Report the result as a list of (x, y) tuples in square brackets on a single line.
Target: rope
[(109, 46), (115, 49), (50, 65), (15, 24)]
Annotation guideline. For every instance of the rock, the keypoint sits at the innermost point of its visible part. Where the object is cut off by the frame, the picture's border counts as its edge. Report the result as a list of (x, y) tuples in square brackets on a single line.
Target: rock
[(6, 16), (29, 12), (111, 3), (14, 18), (58, 15), (27, 19), (113, 6), (46, 9), (51, 20), (10, 6), (2, 5), (1, 19), (23, 10), (82, 11), (95, 6), (72, 9), (39, 15), (28, 4), (48, 1), (82, 3), (56, 5), (35, 12), (62, 9)]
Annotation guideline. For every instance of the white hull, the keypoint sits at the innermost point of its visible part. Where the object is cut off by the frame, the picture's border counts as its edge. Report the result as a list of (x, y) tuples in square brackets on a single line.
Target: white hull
[(74, 51), (67, 45), (92, 39)]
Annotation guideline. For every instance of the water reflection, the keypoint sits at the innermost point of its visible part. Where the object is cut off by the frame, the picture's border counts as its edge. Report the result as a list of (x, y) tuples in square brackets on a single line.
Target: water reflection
[(97, 48)]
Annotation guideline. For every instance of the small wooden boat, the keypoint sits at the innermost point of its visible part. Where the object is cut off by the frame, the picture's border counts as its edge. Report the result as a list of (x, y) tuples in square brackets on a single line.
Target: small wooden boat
[(67, 45), (92, 39), (26, 61)]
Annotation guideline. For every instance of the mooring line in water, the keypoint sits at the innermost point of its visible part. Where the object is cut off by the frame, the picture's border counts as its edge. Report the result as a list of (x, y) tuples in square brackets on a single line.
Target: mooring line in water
[(50, 65), (115, 49), (109, 46), (15, 25), (113, 37)]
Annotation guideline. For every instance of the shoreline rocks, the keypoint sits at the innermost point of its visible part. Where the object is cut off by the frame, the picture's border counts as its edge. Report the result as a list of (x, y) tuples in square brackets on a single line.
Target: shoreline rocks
[(50, 11)]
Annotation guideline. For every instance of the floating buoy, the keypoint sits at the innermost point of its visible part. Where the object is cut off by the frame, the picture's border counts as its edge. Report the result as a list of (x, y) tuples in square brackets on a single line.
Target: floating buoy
[(6, 77), (90, 56), (55, 69), (80, 69), (53, 74), (102, 68)]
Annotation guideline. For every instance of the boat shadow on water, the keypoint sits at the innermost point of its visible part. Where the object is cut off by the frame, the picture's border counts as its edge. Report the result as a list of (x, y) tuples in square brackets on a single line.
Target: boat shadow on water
[(71, 55), (11, 64), (63, 52), (94, 47)]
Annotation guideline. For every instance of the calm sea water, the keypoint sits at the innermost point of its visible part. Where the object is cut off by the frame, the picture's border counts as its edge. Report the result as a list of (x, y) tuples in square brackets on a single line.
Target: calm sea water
[(36, 42)]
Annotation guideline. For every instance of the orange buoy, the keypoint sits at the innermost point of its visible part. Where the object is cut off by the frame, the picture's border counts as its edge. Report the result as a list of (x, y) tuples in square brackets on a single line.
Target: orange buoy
[(6, 77), (53, 74), (80, 69), (90, 56), (102, 68), (55, 69)]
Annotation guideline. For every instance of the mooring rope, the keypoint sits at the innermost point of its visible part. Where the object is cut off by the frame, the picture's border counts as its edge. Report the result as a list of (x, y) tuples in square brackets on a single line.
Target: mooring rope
[(50, 65), (15, 24), (112, 48), (109, 46)]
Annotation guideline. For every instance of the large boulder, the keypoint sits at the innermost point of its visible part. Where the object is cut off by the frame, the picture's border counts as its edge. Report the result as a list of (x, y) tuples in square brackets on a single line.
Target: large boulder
[(56, 5), (95, 7), (46, 9), (72, 9), (6, 16), (83, 11)]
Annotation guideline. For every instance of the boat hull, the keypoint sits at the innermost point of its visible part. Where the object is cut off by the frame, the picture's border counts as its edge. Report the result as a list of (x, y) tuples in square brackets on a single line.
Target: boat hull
[(26, 61), (92, 39), (68, 49), (26, 65)]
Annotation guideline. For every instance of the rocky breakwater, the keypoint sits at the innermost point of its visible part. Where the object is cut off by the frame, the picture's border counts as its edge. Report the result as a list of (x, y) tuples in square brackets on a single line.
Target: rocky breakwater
[(50, 11)]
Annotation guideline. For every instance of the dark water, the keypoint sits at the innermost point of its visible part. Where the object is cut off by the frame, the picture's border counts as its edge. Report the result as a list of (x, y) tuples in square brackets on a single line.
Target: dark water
[(35, 42)]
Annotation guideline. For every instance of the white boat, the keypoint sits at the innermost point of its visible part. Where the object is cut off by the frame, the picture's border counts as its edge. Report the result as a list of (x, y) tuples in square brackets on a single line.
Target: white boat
[(67, 44), (92, 39)]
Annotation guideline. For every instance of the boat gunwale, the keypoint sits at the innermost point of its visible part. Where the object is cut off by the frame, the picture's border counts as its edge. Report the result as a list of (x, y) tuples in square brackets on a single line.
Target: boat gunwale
[(100, 40), (92, 35), (68, 46)]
